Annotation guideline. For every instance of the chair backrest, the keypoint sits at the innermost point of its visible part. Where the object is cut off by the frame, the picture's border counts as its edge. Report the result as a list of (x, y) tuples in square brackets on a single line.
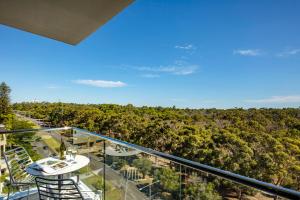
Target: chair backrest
[(17, 161), (59, 189)]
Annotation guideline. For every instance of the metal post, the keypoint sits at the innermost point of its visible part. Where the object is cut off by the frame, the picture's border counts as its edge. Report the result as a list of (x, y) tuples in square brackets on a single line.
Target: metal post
[(126, 181), (126, 189), (180, 183), (104, 161), (150, 192)]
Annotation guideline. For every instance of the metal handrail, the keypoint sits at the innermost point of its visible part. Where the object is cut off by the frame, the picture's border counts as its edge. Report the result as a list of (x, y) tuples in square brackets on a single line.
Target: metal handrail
[(259, 185)]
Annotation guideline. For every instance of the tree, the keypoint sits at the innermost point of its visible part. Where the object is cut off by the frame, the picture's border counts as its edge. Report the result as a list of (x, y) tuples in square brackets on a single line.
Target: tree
[(5, 107), (168, 178), (202, 191), (143, 164)]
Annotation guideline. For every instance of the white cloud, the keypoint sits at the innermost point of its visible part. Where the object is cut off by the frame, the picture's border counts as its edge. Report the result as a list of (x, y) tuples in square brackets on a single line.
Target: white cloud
[(172, 69), (247, 52), (101, 83), (277, 99), (289, 53), (185, 47), (186, 70), (179, 67), (150, 75)]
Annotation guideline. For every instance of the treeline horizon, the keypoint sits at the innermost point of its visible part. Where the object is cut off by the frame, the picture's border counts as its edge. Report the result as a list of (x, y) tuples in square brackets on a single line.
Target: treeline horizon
[(172, 106)]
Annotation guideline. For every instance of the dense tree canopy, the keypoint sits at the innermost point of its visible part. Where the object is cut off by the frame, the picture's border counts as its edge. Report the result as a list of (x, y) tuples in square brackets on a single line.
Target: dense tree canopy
[(259, 143)]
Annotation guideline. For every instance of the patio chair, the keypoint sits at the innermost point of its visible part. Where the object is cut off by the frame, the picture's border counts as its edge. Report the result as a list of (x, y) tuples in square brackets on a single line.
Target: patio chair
[(17, 161), (58, 189)]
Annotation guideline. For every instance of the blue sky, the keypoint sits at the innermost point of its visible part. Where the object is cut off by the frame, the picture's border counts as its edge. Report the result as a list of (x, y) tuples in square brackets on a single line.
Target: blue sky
[(196, 54)]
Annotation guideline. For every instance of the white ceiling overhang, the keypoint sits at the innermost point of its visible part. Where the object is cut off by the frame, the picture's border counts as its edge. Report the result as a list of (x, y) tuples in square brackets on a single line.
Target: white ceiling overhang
[(69, 21)]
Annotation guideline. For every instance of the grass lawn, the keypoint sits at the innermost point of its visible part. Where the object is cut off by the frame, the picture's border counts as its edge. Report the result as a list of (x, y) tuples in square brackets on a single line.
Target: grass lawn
[(51, 142), (111, 193), (114, 194), (85, 170)]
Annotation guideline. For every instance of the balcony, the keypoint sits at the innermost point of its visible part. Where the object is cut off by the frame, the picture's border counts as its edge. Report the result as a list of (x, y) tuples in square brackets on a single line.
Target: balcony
[(119, 170)]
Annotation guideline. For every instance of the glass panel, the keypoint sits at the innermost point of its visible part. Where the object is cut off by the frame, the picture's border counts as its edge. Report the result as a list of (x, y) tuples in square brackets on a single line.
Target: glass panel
[(141, 176), (200, 185), (120, 176), (116, 172), (92, 176)]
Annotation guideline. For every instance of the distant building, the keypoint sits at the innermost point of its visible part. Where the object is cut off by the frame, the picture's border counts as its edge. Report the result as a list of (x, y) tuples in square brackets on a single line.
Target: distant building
[(85, 143)]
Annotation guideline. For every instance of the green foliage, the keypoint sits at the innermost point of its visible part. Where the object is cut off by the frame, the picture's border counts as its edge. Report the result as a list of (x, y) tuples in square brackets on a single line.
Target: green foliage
[(13, 123), (5, 107), (21, 139), (259, 143), (202, 191), (120, 163), (99, 184), (168, 179), (3, 177), (143, 164)]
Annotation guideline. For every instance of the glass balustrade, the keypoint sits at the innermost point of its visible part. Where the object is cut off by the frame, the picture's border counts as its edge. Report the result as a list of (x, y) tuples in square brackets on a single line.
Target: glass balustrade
[(122, 171)]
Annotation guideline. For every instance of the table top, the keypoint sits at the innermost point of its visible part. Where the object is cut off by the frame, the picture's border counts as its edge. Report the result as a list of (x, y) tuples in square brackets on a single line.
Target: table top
[(79, 162)]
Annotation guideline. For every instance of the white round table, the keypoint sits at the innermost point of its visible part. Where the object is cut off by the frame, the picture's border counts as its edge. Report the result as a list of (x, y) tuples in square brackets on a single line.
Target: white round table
[(79, 162)]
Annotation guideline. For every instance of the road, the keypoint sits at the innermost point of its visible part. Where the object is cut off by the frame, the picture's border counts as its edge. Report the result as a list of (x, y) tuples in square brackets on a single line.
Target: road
[(36, 122)]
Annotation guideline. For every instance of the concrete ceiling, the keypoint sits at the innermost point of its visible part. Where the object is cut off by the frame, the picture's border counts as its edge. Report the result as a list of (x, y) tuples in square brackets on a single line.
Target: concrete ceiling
[(69, 21)]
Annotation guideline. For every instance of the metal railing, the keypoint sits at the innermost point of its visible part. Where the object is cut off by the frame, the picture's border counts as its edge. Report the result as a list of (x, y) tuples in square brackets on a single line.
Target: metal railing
[(243, 180)]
